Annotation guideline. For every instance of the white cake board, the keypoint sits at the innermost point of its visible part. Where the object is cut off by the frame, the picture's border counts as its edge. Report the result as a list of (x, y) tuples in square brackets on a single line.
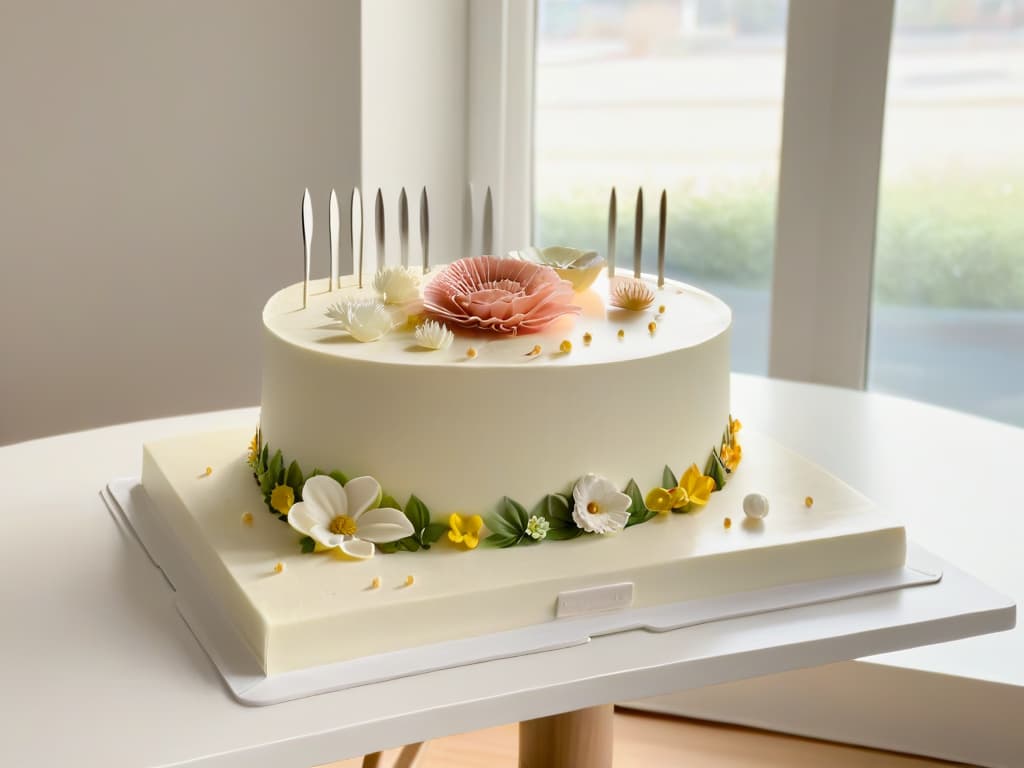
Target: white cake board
[(132, 508)]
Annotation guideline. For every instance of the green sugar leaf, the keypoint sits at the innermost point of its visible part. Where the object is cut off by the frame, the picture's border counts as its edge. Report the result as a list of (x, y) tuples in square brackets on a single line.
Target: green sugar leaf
[(715, 469), (389, 501), (270, 478), (557, 510), (338, 476), (668, 479), (638, 511), (434, 532), (294, 479), (307, 544), (417, 513), (502, 540)]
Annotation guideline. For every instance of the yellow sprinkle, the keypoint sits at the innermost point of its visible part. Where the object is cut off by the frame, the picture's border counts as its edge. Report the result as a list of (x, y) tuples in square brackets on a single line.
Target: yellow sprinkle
[(247, 518), (471, 353), (207, 472), (534, 352), (808, 502), (587, 338), (565, 347), (652, 327), (375, 584), (727, 522), (622, 333), (279, 568), (661, 310), (409, 580)]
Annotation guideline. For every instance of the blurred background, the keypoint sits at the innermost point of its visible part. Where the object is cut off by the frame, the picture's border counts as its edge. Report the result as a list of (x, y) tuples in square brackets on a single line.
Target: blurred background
[(704, 80)]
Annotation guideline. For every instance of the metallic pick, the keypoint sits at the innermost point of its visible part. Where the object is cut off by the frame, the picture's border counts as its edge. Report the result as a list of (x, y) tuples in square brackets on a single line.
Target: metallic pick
[(662, 216), (378, 223), (638, 233), (612, 224), (487, 234), (335, 224), (425, 230), (467, 221), (307, 241), (356, 230), (403, 227)]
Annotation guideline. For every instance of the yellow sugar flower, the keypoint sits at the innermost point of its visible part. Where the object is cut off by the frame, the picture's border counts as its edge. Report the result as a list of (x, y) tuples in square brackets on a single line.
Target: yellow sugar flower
[(253, 455), (659, 500), (696, 485), (465, 530), (282, 498), (735, 425), (666, 499), (731, 455)]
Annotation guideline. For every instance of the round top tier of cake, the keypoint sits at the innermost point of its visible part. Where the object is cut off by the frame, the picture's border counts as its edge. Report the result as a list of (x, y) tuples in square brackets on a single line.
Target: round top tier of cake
[(690, 318), (498, 415)]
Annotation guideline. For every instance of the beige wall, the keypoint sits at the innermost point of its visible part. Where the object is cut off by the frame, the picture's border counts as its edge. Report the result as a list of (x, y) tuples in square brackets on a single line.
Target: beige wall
[(152, 159), (414, 120)]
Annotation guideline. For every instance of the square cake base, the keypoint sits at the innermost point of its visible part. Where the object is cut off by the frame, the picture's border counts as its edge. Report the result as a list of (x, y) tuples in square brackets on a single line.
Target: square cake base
[(320, 610)]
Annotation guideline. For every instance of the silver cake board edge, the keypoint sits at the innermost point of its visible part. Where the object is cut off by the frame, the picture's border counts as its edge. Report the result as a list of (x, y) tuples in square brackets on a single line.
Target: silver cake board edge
[(236, 663)]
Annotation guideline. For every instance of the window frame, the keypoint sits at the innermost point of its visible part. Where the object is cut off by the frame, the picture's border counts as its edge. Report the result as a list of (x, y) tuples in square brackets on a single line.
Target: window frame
[(837, 56)]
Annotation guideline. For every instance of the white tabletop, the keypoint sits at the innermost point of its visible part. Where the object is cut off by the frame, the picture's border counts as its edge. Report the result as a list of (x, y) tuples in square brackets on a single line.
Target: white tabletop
[(98, 669)]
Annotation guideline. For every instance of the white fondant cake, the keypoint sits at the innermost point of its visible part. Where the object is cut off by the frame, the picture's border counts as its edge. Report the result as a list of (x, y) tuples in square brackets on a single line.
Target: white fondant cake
[(562, 429), (322, 609), (461, 433)]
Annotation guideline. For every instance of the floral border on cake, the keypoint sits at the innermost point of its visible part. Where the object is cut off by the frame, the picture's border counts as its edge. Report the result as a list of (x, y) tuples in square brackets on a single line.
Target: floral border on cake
[(357, 517)]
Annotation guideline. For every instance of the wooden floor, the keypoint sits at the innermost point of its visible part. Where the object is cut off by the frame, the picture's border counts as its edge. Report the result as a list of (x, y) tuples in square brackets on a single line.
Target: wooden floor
[(643, 740)]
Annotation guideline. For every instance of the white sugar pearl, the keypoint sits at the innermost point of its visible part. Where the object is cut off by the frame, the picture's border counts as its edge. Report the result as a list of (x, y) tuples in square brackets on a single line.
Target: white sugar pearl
[(755, 506)]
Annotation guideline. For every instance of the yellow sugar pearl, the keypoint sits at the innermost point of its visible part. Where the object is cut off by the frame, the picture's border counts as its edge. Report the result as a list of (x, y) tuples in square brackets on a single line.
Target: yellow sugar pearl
[(622, 333), (207, 472), (375, 584), (727, 522), (652, 327), (808, 502), (587, 338), (471, 353), (534, 352), (565, 347), (409, 580), (247, 518), (279, 568), (661, 310)]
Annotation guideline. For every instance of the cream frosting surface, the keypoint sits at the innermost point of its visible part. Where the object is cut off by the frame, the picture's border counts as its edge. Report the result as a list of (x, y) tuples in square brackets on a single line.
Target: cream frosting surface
[(321, 609), (462, 431)]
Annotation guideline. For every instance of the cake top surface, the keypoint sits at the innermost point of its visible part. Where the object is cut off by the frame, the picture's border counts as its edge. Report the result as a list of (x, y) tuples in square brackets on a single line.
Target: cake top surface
[(680, 316)]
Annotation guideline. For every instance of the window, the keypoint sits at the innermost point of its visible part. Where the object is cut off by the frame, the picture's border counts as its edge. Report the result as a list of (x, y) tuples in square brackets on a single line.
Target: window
[(679, 95), (948, 311)]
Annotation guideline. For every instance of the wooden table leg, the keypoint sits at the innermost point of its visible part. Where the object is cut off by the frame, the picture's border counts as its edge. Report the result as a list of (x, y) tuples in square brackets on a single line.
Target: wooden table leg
[(580, 739), (372, 760)]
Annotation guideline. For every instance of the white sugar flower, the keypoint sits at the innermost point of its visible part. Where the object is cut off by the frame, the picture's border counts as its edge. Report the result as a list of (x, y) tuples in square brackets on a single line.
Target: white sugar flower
[(434, 335), (364, 320), (537, 527), (599, 507), (398, 285), (346, 516)]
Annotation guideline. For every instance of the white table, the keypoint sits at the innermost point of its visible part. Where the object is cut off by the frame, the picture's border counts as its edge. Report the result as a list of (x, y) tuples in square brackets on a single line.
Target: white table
[(97, 668), (955, 480)]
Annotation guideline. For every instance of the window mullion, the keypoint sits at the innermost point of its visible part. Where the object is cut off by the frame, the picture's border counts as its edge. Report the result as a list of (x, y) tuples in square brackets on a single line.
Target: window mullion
[(837, 57)]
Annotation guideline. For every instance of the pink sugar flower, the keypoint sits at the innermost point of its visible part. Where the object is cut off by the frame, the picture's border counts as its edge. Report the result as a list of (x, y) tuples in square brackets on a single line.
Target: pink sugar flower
[(500, 295)]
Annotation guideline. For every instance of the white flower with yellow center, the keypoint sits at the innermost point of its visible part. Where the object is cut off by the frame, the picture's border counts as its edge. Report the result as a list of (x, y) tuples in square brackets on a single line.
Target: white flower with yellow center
[(434, 335), (347, 517), (398, 285), (364, 320), (600, 507)]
